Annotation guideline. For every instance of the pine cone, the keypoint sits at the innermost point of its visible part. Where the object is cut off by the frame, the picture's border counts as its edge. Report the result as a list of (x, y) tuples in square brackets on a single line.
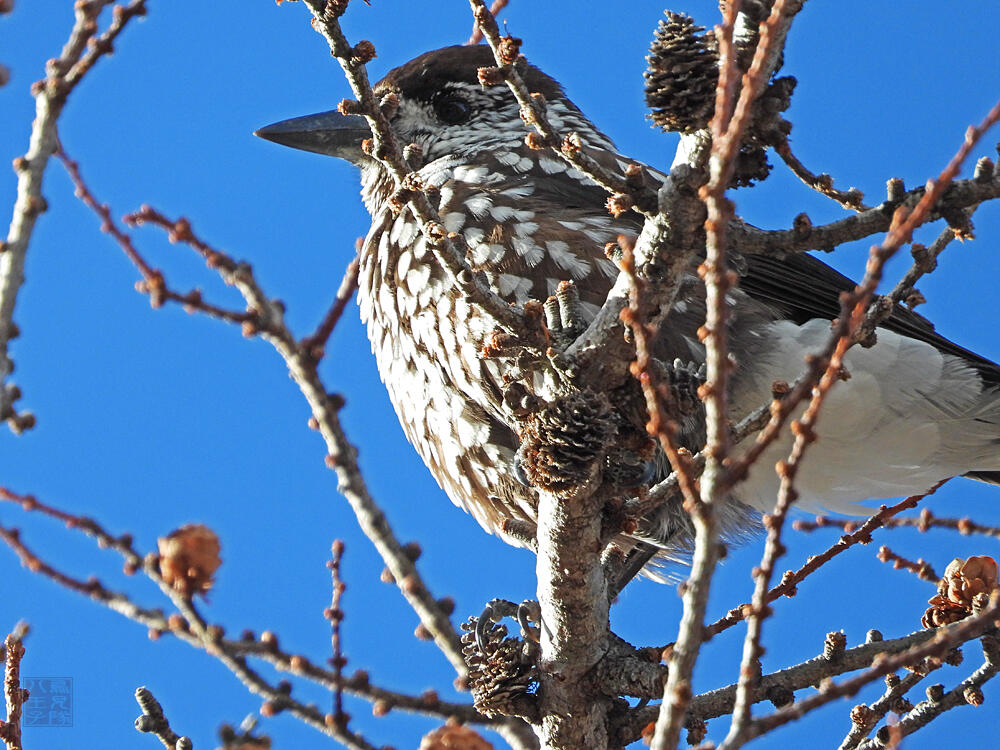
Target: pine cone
[(453, 736), (683, 71), (963, 582), (560, 444), (503, 674), (189, 558)]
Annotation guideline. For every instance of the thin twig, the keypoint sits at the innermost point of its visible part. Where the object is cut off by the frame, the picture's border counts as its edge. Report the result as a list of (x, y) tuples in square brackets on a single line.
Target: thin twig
[(153, 284), (477, 33), (14, 695), (81, 51), (336, 615), (924, 522), (852, 199), (658, 397), (728, 124), (864, 718), (665, 489), (962, 194), (154, 721), (448, 247), (924, 262), (315, 343), (967, 692), (921, 568), (791, 579), (944, 640)]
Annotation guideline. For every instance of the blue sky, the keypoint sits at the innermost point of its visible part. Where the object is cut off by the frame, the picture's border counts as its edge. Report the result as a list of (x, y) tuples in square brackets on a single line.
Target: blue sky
[(150, 419)]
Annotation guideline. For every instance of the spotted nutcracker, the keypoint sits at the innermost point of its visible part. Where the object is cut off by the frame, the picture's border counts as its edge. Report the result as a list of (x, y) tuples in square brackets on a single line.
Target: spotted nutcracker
[(917, 408)]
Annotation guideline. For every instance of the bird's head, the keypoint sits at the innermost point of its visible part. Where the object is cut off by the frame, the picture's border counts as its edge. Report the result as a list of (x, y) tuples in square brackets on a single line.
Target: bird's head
[(437, 102)]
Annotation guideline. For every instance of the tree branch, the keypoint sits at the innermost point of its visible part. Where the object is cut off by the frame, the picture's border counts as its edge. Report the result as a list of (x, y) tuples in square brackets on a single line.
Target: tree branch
[(82, 50)]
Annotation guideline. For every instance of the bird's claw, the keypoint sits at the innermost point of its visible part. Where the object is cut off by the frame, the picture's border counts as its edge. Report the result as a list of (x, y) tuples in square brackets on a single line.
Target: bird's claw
[(526, 613)]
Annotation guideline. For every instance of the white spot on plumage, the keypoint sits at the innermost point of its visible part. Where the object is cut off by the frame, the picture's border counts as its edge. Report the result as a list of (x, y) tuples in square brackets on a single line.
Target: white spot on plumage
[(470, 174), (406, 302), (528, 250), (525, 228), (383, 250), (600, 236), (416, 278), (385, 300), (551, 166), (419, 248), (403, 264), (566, 259), (518, 191), (479, 253), (501, 213), (402, 233), (507, 158), (454, 221), (430, 290), (610, 270), (478, 204), (516, 286)]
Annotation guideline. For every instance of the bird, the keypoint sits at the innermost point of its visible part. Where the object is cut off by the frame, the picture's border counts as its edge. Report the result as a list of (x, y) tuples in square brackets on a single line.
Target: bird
[(916, 409)]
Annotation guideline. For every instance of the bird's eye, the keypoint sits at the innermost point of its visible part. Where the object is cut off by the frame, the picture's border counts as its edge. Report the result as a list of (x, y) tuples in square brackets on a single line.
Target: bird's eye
[(452, 110)]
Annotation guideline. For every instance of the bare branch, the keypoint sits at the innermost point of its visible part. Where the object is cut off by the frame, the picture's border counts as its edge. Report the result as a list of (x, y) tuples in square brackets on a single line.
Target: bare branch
[(790, 580), (14, 695), (864, 718), (966, 693), (924, 522), (727, 126), (921, 568), (944, 640), (153, 721), (315, 344), (904, 651), (852, 199), (960, 195), (477, 33), (153, 284), (81, 51), (336, 615)]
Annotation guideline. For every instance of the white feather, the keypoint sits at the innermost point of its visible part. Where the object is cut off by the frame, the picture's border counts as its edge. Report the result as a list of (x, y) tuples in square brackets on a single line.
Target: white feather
[(907, 417)]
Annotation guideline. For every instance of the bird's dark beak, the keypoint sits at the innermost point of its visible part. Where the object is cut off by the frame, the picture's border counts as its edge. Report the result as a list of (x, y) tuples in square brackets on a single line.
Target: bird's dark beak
[(329, 133)]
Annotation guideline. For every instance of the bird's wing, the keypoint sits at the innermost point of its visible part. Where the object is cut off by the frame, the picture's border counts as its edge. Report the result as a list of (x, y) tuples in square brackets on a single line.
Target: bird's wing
[(803, 287), (799, 286)]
